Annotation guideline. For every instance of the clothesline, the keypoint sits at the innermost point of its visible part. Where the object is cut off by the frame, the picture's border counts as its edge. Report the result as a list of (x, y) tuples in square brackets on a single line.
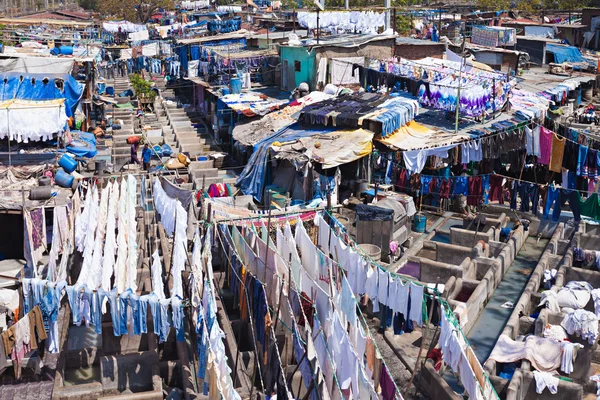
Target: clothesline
[(234, 249), (482, 175), (300, 295), (445, 305)]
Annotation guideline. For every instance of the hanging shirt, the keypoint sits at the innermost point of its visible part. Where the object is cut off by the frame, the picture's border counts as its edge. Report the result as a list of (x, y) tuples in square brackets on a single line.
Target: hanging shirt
[(382, 293), (416, 303), (545, 145), (556, 156)]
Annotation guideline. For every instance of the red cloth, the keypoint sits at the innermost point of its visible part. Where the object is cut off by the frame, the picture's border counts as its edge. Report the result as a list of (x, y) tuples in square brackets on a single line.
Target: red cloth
[(475, 191)]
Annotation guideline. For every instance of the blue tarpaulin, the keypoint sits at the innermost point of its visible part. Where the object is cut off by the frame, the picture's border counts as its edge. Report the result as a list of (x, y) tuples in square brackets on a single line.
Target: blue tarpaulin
[(252, 179), (83, 144), (41, 87), (569, 54)]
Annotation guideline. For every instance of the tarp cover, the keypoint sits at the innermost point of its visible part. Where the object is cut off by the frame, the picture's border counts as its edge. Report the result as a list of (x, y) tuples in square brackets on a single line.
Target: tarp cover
[(366, 212), (36, 65), (569, 54), (413, 136), (330, 150), (252, 179), (38, 87), (83, 144)]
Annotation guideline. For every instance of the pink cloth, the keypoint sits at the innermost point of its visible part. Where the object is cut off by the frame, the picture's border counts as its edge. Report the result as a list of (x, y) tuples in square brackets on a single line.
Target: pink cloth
[(591, 185), (545, 145)]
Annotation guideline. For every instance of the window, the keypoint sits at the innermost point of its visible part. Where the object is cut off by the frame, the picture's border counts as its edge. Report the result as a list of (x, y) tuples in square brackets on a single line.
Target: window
[(297, 66)]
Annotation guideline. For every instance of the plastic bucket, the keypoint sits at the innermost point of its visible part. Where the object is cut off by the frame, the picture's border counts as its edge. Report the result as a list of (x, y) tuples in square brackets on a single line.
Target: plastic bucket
[(63, 179), (371, 250), (67, 163), (419, 223), (225, 91), (236, 85), (110, 91)]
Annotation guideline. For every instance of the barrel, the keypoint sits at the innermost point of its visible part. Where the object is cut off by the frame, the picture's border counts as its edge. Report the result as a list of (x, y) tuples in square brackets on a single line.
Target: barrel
[(63, 179), (371, 250), (67, 163), (100, 167), (419, 223), (66, 50), (44, 181), (587, 94), (40, 193), (236, 85)]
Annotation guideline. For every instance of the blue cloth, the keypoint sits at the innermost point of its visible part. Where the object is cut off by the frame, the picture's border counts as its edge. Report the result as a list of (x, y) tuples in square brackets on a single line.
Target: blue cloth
[(425, 181), (201, 344), (551, 198), (485, 186), (72, 295), (141, 317), (195, 52), (134, 302), (461, 186), (573, 198), (178, 318), (96, 299), (114, 311), (582, 161), (123, 318), (164, 320)]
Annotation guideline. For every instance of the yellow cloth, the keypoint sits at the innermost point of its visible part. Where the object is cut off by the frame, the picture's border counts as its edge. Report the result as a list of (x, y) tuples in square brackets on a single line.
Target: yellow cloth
[(558, 151), (414, 136)]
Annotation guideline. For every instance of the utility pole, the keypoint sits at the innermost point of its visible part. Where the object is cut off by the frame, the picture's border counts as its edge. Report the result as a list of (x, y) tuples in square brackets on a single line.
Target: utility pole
[(462, 64)]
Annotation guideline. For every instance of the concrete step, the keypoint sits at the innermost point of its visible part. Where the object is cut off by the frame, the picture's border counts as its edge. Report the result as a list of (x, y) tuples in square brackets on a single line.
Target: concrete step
[(196, 149), (209, 173), (200, 165), (190, 140)]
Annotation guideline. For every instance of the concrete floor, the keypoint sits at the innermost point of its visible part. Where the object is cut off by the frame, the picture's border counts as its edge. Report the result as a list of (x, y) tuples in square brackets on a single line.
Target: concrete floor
[(491, 322)]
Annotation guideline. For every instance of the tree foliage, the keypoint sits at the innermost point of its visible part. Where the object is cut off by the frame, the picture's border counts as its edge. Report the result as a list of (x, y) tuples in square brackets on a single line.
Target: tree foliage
[(89, 4), (141, 87), (530, 6), (133, 10)]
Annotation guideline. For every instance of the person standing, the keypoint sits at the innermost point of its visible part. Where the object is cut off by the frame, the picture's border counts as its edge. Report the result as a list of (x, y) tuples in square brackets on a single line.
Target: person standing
[(146, 156), (134, 157)]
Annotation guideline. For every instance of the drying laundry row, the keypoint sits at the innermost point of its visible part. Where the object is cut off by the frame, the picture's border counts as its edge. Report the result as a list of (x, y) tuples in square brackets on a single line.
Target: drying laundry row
[(129, 311)]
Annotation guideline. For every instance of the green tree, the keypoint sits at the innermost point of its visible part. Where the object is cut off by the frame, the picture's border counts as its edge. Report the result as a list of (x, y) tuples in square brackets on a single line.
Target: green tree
[(141, 87), (89, 4), (133, 10)]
